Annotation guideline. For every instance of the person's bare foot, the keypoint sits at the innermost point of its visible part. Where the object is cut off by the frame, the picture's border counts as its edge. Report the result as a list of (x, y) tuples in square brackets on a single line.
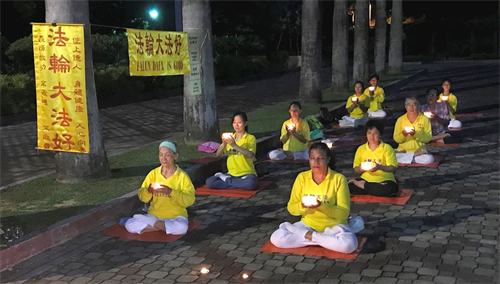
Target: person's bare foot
[(420, 152), (358, 183)]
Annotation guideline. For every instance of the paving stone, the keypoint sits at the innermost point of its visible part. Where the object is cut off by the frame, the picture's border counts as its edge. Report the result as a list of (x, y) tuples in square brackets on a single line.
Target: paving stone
[(444, 279), (304, 266), (371, 272), (350, 277), (157, 274)]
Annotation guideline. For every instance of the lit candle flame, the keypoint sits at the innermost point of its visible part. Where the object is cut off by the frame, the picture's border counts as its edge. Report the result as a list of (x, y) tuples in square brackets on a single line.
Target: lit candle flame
[(354, 99), (290, 126), (309, 200), (204, 270), (428, 114), (371, 89), (409, 129), (245, 276), (366, 166), (226, 135), (329, 145), (444, 98), (155, 185)]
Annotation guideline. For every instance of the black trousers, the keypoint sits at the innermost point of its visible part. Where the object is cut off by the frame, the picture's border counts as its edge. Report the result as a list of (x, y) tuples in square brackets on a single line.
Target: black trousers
[(386, 188)]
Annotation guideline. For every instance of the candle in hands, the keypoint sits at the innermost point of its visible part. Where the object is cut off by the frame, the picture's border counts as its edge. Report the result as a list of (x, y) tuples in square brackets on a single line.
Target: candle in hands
[(428, 114), (290, 127), (366, 166), (444, 98), (309, 201), (409, 129), (329, 145), (354, 99), (371, 88), (226, 135), (156, 185)]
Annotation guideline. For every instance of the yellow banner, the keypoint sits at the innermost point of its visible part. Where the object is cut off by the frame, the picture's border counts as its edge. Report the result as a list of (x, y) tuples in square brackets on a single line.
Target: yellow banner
[(61, 96), (157, 53)]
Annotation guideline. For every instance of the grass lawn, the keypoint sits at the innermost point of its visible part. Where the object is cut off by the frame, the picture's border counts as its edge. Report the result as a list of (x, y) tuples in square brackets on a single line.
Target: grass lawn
[(39, 203)]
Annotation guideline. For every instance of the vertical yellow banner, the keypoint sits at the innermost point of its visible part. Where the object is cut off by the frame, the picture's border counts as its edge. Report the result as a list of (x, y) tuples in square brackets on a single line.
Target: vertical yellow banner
[(157, 53), (61, 97)]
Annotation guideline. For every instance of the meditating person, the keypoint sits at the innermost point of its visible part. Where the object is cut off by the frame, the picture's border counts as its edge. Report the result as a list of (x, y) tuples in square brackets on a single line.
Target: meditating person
[(295, 134), (451, 100), (376, 97), (170, 191), (240, 148), (321, 197), (439, 115), (376, 162), (411, 132), (356, 105)]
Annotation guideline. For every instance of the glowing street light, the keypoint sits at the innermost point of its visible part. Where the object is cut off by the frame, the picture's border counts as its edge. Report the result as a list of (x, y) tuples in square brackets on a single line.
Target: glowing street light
[(153, 13)]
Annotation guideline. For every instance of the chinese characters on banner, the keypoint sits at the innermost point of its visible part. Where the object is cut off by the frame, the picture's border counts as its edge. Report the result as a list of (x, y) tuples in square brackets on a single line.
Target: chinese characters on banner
[(157, 53), (61, 99)]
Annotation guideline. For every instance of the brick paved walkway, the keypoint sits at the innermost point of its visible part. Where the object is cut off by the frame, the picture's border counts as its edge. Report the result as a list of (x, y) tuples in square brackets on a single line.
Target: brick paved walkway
[(446, 233)]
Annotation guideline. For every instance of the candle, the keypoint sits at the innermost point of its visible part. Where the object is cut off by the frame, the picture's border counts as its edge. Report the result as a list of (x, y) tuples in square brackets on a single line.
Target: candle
[(245, 276), (371, 89), (226, 135), (309, 200), (290, 126), (366, 166), (155, 185), (428, 114), (444, 98), (409, 129), (329, 145), (204, 270), (354, 99)]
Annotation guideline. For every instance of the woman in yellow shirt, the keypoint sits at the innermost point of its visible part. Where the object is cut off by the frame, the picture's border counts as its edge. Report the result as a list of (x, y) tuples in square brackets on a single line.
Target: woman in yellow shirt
[(240, 148), (376, 162), (411, 132), (356, 105), (451, 100), (295, 134), (321, 197), (170, 191), (376, 97)]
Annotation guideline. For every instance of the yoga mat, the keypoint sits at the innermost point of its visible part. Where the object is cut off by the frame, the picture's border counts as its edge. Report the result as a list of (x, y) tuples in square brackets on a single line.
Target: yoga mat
[(268, 247), (434, 164), (401, 199), (119, 231), (472, 114), (286, 161), (204, 160), (234, 192), (439, 144)]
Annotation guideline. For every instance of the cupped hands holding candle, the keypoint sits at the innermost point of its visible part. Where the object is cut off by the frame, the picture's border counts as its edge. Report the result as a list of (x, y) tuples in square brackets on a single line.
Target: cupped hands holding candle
[(290, 127), (310, 201), (429, 114), (227, 138), (444, 98), (409, 130), (354, 99), (371, 88), (368, 166)]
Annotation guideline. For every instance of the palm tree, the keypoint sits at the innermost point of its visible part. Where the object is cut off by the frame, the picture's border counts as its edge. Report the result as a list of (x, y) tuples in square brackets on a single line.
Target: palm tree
[(360, 67), (201, 122), (396, 44), (380, 37), (75, 167), (310, 77), (340, 45)]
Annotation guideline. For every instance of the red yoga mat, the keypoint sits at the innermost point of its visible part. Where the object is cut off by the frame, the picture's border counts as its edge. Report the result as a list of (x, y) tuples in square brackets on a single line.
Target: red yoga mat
[(268, 247), (439, 144), (204, 160), (434, 164), (472, 114), (235, 192), (401, 199), (119, 231)]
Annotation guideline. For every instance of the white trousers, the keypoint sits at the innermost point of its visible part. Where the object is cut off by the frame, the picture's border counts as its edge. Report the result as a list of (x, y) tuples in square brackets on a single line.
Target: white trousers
[(174, 226), (300, 155), (408, 158), (337, 238), (455, 124), (379, 113), (348, 121)]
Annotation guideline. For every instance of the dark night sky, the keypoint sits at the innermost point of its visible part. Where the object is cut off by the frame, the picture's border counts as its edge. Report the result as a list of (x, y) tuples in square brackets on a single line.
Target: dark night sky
[(119, 13)]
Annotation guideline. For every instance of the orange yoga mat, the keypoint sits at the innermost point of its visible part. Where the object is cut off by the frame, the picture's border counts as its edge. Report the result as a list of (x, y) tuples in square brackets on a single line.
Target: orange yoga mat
[(286, 161), (268, 247), (434, 164), (401, 199), (119, 231), (204, 160), (235, 192), (438, 144), (472, 114)]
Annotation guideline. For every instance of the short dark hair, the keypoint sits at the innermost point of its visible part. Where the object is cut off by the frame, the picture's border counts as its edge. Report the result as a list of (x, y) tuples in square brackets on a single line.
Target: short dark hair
[(377, 124), (328, 153), (446, 80), (434, 91), (374, 76), (243, 117), (295, 103), (359, 82)]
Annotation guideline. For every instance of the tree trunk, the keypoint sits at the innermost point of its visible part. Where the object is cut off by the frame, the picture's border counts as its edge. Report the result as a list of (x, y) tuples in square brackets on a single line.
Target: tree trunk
[(74, 167), (340, 45), (380, 37), (201, 122), (310, 77), (396, 44), (360, 41)]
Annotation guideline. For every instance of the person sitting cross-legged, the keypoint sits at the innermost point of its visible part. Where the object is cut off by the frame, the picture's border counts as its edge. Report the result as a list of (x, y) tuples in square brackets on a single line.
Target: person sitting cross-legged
[(321, 197), (376, 97), (451, 100), (439, 116), (356, 105)]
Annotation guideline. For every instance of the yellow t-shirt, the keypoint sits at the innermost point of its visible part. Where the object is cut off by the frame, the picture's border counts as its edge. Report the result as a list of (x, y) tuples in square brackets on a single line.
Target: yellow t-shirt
[(357, 112), (237, 164), (423, 133), (293, 144), (452, 100), (333, 193), (376, 100), (384, 155), (165, 207)]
